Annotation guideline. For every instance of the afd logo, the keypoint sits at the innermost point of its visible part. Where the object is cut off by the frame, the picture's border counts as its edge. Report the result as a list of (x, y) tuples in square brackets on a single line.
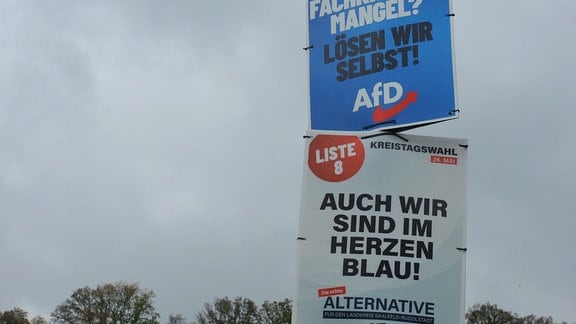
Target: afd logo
[(389, 94)]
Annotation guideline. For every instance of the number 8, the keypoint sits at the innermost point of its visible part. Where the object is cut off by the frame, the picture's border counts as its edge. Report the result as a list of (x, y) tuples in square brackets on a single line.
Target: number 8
[(338, 169)]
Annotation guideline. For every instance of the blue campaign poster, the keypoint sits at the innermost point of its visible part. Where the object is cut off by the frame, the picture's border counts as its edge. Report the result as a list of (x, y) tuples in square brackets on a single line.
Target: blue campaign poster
[(380, 64)]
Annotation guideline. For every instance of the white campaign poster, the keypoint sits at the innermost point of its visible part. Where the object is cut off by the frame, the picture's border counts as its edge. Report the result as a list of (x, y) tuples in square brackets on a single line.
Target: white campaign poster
[(382, 230)]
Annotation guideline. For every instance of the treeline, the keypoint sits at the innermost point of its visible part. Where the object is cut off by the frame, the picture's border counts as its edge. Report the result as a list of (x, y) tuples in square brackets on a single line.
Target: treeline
[(123, 303), (492, 314)]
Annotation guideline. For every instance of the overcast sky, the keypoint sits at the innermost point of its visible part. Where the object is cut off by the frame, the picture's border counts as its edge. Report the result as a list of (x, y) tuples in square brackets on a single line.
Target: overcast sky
[(160, 142)]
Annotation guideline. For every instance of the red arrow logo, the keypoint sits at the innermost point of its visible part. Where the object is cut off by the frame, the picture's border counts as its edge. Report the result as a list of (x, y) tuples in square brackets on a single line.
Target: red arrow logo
[(381, 115)]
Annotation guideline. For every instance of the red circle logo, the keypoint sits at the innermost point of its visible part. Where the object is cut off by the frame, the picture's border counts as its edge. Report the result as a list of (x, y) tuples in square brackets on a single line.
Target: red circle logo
[(335, 158)]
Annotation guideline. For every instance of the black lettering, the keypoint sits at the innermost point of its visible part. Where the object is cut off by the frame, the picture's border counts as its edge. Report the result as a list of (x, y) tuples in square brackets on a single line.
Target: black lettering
[(418, 309), (343, 204), (364, 43), (425, 31), (347, 48), (415, 55), (410, 205), (407, 248), (426, 206), (349, 267), (421, 228), (403, 305), (390, 56), (383, 221), (328, 201), (393, 305), (404, 51), (364, 269), (377, 62), (341, 224), (384, 269), (329, 303), (401, 34), (327, 57), (425, 249), (378, 40), (367, 224), (363, 69), (430, 309), (398, 270), (338, 246), (353, 223), (358, 303), (391, 245), (353, 49), (364, 223), (439, 205), (353, 68), (360, 204), (341, 68), (369, 303), (341, 48), (373, 244), (387, 203), (356, 245)]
